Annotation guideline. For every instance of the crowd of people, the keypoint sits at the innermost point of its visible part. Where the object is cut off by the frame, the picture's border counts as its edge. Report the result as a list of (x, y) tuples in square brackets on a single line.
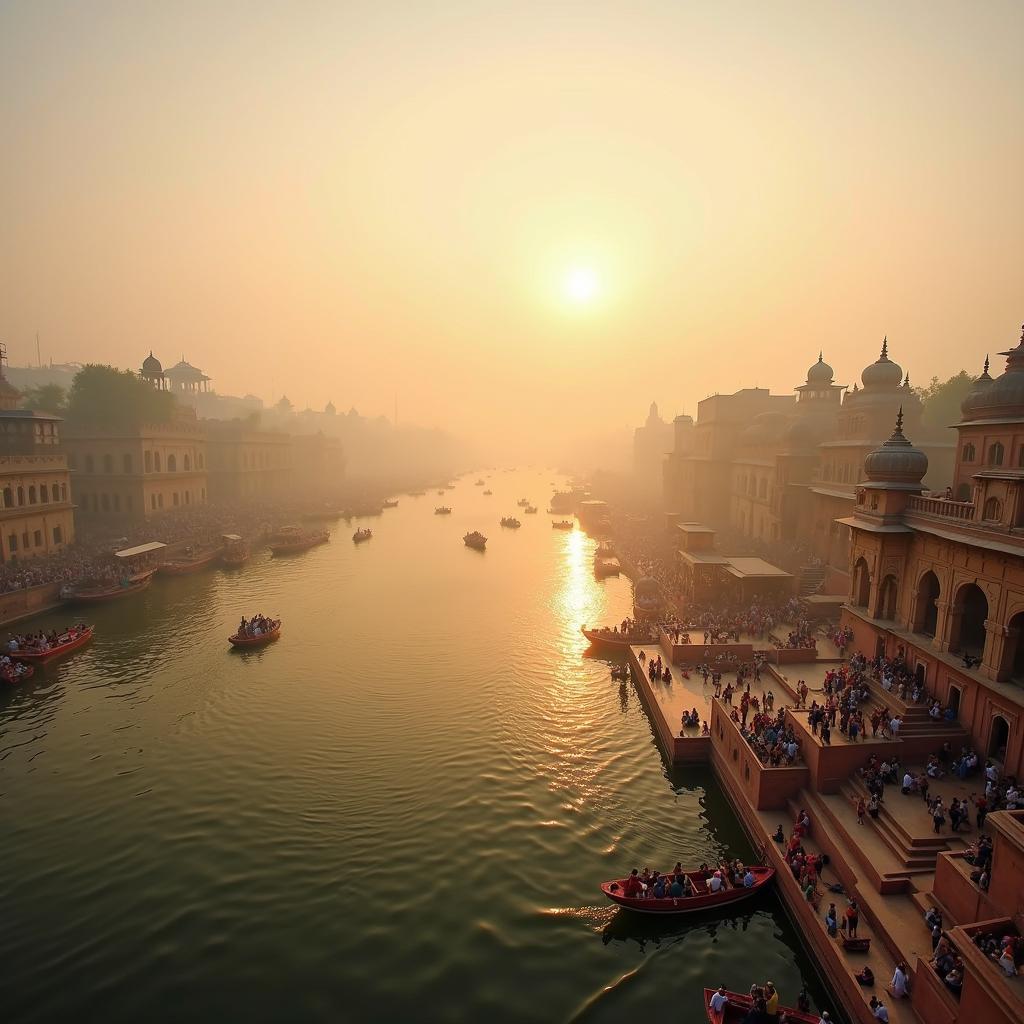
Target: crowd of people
[(677, 884), (39, 643), (258, 625)]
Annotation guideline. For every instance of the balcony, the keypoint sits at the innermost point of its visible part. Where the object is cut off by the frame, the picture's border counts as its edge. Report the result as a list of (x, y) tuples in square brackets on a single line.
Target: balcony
[(942, 508)]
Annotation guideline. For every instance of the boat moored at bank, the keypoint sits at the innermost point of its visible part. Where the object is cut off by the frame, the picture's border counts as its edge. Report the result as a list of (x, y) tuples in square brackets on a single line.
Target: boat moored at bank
[(131, 570), (299, 542), (235, 551), (740, 1007)]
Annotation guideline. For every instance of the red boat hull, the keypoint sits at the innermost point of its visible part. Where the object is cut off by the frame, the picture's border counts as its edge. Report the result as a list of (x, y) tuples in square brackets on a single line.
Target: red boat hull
[(39, 657), (295, 547), (27, 674), (740, 1005), (255, 641), (704, 900), (180, 567)]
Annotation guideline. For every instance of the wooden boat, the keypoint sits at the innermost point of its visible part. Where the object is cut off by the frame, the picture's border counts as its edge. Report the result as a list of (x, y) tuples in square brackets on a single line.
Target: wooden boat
[(91, 592), (443, 510), (391, 503), (475, 540), (530, 510), (303, 542), (704, 900), (510, 523), (360, 535), (607, 567), (246, 641), (441, 492), (70, 640), (13, 678), (235, 551), (488, 493), (563, 524), (523, 502), (740, 1005), (185, 565), (612, 641)]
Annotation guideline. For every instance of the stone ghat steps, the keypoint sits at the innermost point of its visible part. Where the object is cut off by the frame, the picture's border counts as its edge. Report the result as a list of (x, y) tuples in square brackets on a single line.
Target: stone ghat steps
[(916, 720), (917, 852)]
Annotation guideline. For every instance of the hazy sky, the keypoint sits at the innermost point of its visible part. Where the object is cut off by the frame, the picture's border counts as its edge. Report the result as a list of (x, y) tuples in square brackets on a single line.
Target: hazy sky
[(347, 201)]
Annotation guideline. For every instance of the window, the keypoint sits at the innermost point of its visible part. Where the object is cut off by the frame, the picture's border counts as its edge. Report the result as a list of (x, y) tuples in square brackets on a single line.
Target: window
[(152, 501), (187, 463), (32, 494), (63, 492), (8, 498), (12, 542), (993, 510), (24, 540), (995, 454), (148, 460), (174, 496), (58, 535), (21, 495), (44, 494), (172, 463), (126, 462), (199, 459), (188, 498), (156, 462), (108, 463), (37, 538), (160, 501), (967, 455)]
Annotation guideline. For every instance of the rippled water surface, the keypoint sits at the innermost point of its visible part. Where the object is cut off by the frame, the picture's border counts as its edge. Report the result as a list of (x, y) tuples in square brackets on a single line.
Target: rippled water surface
[(398, 812)]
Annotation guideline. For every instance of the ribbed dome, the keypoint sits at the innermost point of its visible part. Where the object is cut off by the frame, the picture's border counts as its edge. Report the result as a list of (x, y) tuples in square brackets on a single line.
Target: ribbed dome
[(883, 374), (974, 396), (151, 364), (820, 373), (1004, 397), (897, 461)]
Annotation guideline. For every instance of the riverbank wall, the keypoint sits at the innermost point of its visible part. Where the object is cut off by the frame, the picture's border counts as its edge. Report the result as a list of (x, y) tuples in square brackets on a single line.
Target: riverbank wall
[(22, 604)]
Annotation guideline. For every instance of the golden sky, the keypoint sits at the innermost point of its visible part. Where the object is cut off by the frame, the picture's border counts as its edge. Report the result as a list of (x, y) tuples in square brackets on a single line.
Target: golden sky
[(525, 219)]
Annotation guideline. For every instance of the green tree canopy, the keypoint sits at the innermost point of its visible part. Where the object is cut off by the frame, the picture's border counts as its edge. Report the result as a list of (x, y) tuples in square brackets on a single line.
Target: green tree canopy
[(108, 397), (941, 401), (46, 398)]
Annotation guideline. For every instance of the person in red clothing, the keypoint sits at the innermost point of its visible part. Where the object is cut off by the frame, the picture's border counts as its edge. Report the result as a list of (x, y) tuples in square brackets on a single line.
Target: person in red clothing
[(633, 887)]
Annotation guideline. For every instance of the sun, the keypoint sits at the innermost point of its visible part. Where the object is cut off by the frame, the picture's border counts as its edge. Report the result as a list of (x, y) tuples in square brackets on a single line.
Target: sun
[(581, 285)]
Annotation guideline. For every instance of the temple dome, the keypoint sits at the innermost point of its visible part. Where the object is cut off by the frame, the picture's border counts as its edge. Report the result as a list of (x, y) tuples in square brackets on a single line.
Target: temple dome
[(974, 396), (897, 462), (1004, 397), (151, 364), (883, 374), (820, 373)]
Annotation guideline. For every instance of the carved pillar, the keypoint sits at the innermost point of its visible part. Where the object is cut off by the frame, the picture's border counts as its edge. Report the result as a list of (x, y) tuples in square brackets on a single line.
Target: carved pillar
[(944, 622), (1000, 648)]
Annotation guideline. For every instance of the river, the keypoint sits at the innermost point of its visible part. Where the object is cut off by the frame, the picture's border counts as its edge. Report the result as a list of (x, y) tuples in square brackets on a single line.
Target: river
[(399, 812)]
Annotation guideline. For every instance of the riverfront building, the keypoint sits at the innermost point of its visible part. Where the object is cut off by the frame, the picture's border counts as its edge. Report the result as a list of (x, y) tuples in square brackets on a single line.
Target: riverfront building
[(36, 513)]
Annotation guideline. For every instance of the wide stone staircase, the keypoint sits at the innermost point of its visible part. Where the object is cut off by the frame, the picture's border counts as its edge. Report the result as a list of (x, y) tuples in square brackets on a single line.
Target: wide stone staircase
[(812, 579), (916, 721)]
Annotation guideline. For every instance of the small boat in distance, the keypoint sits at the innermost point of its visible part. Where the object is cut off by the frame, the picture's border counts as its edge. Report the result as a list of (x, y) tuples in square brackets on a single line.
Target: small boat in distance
[(189, 561), (252, 638), (488, 493), (300, 542), (475, 540), (441, 492), (530, 510), (563, 524), (703, 898), (607, 567), (442, 510), (416, 494), (479, 483), (391, 503), (70, 640), (510, 523), (740, 1006), (235, 551), (360, 535), (523, 502)]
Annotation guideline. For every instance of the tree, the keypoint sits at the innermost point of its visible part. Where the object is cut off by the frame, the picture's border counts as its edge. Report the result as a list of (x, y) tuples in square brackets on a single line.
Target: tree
[(941, 401), (108, 397), (46, 398)]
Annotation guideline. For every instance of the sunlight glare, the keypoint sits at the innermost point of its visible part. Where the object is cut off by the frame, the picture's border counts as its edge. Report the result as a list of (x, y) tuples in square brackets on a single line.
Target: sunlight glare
[(581, 285)]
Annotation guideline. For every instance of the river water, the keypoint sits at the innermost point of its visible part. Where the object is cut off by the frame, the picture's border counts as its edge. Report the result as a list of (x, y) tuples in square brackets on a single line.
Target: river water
[(398, 812)]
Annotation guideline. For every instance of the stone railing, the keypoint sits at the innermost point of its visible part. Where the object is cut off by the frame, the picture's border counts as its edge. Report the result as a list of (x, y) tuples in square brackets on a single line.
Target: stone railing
[(942, 507)]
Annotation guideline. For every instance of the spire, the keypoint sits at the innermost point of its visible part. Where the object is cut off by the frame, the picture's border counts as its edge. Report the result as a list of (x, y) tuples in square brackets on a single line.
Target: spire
[(899, 422), (906, 380), (885, 348), (821, 356), (984, 372)]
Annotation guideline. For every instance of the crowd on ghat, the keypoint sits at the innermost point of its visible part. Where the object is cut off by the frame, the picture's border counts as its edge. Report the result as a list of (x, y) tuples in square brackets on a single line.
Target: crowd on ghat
[(201, 525)]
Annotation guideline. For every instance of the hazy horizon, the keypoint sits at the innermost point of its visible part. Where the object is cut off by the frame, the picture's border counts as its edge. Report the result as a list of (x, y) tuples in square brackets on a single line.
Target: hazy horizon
[(526, 223)]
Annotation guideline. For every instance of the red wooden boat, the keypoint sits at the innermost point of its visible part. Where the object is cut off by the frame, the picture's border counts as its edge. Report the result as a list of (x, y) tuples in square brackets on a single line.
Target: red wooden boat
[(184, 566), (244, 640), (740, 1005), (12, 678), (611, 641), (69, 641), (703, 900), (88, 592), (304, 542)]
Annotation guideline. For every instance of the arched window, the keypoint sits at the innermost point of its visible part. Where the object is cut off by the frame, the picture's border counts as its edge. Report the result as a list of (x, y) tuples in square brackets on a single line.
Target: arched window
[(152, 502), (999, 738), (156, 462), (44, 494), (148, 460), (8, 498), (995, 454), (174, 496), (887, 598), (188, 498), (861, 583), (187, 463), (21, 495), (993, 510), (967, 630), (967, 454), (63, 492), (1013, 650), (927, 613), (160, 501), (32, 494), (172, 463), (126, 462), (200, 461)]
